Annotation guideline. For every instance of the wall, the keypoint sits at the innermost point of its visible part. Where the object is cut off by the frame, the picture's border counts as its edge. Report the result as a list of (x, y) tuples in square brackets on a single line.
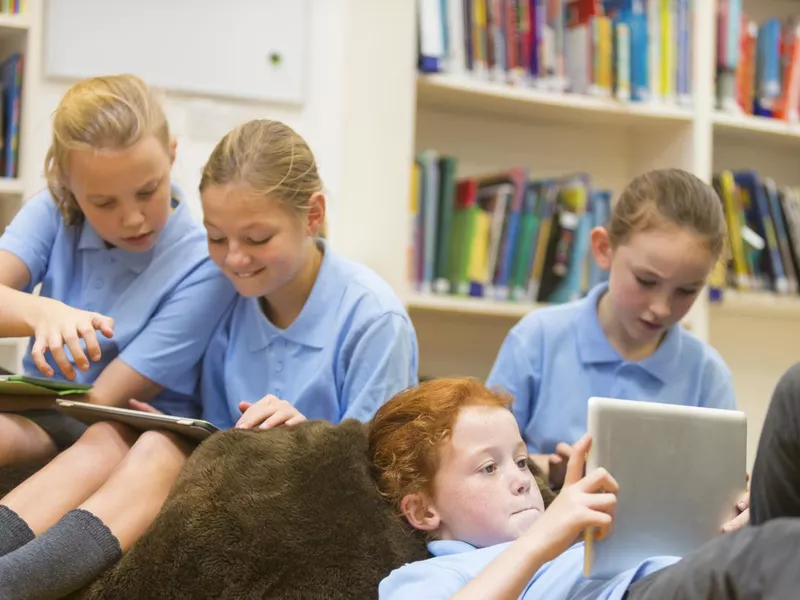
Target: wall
[(199, 122)]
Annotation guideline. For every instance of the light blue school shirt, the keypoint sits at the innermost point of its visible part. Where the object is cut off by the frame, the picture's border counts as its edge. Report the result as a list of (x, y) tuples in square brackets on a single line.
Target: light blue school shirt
[(351, 348), (454, 564), (165, 302), (556, 358)]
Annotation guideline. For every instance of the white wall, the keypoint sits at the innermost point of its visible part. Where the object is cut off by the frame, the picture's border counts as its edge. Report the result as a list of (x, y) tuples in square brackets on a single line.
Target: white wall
[(199, 122)]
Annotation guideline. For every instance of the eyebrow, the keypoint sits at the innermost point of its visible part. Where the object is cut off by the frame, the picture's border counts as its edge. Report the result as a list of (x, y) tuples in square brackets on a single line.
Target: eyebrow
[(152, 183), (521, 447), (644, 272)]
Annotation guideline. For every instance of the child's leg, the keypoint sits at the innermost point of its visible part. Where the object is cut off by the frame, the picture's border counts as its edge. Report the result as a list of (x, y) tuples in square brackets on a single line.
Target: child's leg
[(146, 475), (753, 562), (775, 488), (21, 440), (70, 478), (88, 540)]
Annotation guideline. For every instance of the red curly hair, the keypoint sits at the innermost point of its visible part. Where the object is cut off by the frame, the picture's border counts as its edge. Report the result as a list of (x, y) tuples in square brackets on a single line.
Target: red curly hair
[(407, 432)]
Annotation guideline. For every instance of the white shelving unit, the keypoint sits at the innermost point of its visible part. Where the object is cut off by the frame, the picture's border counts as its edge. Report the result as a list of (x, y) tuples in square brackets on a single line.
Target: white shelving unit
[(490, 126), (19, 33)]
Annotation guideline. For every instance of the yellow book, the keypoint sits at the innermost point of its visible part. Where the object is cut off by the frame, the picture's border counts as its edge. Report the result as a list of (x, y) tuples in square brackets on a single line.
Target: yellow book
[(730, 202)]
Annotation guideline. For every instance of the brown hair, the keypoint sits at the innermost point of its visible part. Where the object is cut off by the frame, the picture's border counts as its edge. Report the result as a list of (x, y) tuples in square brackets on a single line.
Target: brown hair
[(671, 196), (102, 113), (270, 158), (407, 432)]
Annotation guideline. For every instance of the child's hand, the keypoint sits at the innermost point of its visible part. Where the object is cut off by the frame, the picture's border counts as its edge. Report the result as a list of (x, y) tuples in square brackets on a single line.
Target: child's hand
[(741, 511), (557, 467), (583, 502), (57, 324), (268, 412)]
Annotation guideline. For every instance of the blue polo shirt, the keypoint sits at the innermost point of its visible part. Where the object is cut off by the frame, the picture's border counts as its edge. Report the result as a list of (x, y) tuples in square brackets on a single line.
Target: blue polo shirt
[(454, 564), (165, 302), (556, 358), (351, 348)]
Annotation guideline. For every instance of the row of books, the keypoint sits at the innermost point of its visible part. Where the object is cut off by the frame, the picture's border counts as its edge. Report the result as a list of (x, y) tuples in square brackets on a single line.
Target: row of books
[(11, 71), (503, 236), (12, 7), (639, 50), (758, 64), (764, 234)]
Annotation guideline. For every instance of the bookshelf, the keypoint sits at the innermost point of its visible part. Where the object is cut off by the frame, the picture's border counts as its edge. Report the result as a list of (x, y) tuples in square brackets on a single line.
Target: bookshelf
[(19, 33), (490, 126)]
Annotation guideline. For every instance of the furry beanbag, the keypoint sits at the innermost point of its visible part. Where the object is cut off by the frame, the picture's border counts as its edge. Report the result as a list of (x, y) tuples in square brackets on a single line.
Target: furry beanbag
[(289, 513)]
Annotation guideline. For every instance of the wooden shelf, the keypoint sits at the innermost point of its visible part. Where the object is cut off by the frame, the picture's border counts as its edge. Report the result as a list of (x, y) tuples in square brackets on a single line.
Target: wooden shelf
[(756, 304), (750, 128), (471, 306), (514, 102), (11, 187), (14, 22)]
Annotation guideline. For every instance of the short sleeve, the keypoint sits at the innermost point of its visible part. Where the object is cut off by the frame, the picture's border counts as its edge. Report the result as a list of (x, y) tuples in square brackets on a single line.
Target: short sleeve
[(169, 348), (720, 386), (421, 581), (514, 371), (32, 233), (382, 362), (213, 396)]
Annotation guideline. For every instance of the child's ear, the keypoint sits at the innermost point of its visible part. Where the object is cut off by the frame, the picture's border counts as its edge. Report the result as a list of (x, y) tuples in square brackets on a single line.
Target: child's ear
[(601, 247), (419, 513), (173, 147), (316, 214)]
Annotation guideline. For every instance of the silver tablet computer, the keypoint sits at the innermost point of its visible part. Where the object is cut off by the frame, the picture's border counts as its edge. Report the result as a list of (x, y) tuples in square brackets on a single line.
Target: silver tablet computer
[(680, 470), (194, 429)]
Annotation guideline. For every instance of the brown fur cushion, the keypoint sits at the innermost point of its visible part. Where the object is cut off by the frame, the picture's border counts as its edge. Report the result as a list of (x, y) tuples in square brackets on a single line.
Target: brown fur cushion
[(288, 513)]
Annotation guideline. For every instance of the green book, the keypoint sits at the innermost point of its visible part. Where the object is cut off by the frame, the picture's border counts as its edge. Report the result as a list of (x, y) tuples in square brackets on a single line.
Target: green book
[(23, 385)]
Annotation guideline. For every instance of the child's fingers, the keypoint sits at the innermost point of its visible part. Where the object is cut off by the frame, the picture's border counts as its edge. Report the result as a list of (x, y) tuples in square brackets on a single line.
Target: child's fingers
[(577, 460), (37, 354), (73, 342), (255, 415), (297, 418), (243, 406), (600, 480), (104, 324), (144, 407), (89, 336), (737, 522), (55, 344), (563, 450)]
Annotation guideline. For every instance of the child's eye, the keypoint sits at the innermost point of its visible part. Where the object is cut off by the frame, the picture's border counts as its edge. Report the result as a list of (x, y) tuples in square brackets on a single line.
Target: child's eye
[(489, 469), (686, 292), (645, 282), (260, 242), (522, 463), (144, 194), (215, 240)]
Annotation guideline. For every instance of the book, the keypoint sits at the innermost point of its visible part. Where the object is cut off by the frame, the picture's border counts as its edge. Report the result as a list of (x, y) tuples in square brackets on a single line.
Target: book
[(24, 385), (503, 235)]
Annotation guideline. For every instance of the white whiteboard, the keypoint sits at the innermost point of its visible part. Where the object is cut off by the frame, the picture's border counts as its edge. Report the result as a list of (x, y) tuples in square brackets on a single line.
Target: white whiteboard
[(209, 47)]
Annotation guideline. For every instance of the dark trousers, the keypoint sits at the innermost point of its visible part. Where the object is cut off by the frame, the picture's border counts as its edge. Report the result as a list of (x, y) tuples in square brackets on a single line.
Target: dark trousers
[(761, 561)]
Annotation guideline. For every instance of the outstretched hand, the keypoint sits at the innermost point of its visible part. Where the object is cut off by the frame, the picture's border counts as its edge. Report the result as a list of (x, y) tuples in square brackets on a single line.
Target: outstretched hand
[(59, 324)]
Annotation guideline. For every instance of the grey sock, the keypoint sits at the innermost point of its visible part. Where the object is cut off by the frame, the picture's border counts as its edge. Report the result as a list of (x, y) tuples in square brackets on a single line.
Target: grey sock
[(62, 560), (14, 532)]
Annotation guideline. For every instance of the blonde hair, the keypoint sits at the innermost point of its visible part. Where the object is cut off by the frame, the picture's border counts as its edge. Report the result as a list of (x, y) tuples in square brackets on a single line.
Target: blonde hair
[(102, 113), (668, 196), (268, 157)]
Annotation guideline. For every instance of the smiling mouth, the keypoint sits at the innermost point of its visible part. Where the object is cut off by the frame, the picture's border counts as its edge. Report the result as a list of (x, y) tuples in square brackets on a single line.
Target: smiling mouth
[(248, 274)]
